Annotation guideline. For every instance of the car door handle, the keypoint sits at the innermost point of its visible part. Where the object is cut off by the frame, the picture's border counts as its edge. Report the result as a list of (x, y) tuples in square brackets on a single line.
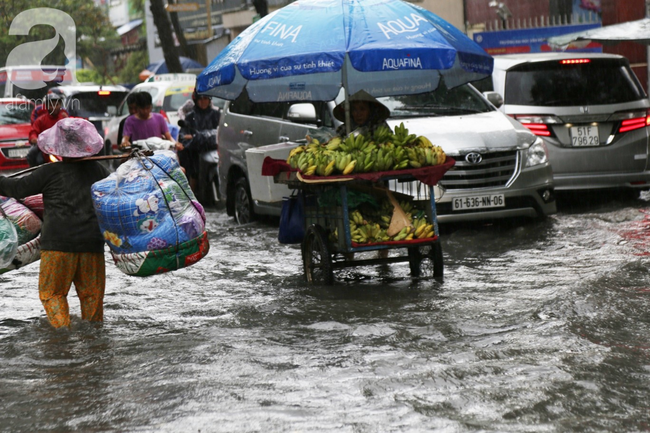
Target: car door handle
[(247, 133), (283, 139)]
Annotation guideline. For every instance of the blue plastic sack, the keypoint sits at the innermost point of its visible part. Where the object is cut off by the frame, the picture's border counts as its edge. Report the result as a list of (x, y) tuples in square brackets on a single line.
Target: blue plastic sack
[(292, 220), (147, 205)]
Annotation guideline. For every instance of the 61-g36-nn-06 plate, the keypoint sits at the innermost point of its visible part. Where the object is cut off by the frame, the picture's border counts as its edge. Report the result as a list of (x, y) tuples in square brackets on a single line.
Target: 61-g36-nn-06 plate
[(478, 202)]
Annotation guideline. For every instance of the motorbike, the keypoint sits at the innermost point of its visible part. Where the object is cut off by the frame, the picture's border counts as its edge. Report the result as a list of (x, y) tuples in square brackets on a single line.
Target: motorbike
[(204, 143)]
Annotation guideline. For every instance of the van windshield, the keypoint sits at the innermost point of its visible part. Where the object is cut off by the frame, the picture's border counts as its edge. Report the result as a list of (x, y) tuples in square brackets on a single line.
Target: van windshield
[(440, 102), (553, 84), (15, 113), (92, 104)]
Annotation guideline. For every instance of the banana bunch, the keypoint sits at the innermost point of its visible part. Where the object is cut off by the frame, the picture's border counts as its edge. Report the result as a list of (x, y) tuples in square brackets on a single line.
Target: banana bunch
[(404, 235), (383, 150), (437, 154), (352, 143), (303, 161), (402, 136), (382, 134), (422, 230), (369, 233), (371, 226), (357, 218)]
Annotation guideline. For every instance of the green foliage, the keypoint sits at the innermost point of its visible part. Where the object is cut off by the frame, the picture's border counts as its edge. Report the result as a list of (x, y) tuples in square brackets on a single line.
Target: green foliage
[(93, 76), (95, 34), (138, 60)]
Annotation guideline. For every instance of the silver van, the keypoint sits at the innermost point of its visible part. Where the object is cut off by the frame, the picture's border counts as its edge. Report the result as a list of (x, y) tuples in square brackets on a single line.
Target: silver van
[(590, 110), (501, 168)]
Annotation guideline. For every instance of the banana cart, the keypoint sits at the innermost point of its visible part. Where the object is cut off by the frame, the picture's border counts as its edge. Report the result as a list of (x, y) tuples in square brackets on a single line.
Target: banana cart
[(329, 206)]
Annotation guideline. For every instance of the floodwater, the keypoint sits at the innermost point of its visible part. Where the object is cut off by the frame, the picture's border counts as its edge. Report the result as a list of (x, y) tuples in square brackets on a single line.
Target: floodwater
[(537, 327)]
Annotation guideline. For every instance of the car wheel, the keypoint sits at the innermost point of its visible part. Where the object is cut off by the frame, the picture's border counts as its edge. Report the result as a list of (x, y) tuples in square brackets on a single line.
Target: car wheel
[(243, 202)]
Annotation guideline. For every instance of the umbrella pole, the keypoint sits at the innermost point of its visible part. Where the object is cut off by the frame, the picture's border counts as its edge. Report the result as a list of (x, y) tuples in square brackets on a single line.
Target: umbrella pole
[(346, 103)]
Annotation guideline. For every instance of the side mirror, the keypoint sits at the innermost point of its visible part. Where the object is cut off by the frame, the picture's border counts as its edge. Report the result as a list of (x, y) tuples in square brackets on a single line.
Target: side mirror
[(495, 98), (111, 110), (302, 113)]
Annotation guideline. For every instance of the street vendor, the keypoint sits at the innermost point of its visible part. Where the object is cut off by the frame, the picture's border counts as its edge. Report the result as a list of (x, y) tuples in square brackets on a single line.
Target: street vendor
[(366, 113), (72, 245)]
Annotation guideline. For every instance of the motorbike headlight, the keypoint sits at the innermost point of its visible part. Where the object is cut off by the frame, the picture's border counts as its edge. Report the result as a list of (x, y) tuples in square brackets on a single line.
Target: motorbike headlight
[(536, 153)]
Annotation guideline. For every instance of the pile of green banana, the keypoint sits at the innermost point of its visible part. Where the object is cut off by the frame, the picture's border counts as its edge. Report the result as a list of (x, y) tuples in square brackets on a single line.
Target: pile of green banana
[(372, 227), (383, 150)]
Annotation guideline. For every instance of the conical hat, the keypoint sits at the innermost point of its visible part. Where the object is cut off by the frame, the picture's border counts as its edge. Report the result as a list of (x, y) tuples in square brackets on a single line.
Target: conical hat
[(71, 137), (379, 111)]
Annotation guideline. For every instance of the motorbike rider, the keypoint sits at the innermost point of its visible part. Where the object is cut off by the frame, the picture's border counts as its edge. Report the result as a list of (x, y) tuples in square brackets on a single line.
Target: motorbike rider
[(196, 137), (53, 103)]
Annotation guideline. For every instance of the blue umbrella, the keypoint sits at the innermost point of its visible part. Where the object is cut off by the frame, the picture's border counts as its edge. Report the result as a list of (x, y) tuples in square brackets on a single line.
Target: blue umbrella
[(310, 49), (160, 67)]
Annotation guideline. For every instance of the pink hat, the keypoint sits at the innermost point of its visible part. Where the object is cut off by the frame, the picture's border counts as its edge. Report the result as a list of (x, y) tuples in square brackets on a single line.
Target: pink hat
[(71, 137)]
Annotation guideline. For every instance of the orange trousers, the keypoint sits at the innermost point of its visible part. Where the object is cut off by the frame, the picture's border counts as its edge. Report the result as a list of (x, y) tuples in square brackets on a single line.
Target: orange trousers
[(57, 273)]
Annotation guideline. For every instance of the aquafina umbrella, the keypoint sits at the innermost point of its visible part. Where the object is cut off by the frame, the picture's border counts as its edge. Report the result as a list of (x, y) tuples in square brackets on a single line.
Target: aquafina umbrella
[(310, 49)]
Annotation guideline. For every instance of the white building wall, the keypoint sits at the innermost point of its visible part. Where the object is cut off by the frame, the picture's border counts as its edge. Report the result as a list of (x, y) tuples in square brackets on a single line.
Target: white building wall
[(118, 12)]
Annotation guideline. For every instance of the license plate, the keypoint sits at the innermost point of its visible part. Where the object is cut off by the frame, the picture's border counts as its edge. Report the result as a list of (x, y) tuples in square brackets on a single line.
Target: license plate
[(479, 202), (18, 152), (584, 136)]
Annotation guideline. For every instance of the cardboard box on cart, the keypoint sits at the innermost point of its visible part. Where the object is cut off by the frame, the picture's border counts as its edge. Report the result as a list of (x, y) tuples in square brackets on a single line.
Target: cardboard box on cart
[(263, 188)]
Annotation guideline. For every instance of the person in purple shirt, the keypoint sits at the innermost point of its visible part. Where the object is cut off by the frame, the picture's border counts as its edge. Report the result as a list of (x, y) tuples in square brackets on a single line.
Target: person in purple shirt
[(145, 124)]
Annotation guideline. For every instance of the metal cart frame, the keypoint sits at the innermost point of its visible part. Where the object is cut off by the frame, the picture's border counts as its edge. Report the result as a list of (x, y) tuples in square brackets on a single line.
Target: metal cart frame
[(321, 255)]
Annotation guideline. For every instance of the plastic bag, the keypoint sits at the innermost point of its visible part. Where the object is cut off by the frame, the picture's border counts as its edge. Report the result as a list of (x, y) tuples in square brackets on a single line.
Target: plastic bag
[(8, 242), (146, 206), (27, 223), (292, 220), (25, 254)]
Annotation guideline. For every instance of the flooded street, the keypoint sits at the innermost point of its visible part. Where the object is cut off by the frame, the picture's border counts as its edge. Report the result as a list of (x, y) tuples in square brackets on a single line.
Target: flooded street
[(538, 327)]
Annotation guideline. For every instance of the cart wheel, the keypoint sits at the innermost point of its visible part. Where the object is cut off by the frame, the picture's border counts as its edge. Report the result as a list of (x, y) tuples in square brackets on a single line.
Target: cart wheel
[(316, 257), (426, 261)]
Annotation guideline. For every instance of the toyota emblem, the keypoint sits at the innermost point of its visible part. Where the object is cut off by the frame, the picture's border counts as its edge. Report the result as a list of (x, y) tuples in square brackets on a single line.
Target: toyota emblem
[(473, 158)]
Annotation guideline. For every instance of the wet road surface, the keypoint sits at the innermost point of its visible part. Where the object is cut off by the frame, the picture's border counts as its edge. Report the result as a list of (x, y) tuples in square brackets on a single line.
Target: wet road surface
[(537, 327)]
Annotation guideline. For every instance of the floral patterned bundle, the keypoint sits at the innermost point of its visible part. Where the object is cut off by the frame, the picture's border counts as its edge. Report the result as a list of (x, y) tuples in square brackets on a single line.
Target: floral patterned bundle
[(147, 206)]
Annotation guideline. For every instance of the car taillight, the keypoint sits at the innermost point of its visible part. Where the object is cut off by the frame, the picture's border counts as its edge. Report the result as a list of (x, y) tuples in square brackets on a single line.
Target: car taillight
[(574, 61), (631, 120), (538, 129), (162, 112), (632, 124), (538, 125)]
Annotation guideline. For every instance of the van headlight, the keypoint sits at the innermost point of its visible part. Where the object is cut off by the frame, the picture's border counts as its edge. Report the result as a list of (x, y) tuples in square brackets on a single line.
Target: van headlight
[(536, 153)]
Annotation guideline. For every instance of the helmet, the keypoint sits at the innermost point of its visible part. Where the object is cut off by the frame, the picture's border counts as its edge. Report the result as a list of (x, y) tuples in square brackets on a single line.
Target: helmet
[(53, 97)]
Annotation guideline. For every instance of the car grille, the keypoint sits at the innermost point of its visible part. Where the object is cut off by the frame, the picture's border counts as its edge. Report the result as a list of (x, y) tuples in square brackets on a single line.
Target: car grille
[(495, 170)]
